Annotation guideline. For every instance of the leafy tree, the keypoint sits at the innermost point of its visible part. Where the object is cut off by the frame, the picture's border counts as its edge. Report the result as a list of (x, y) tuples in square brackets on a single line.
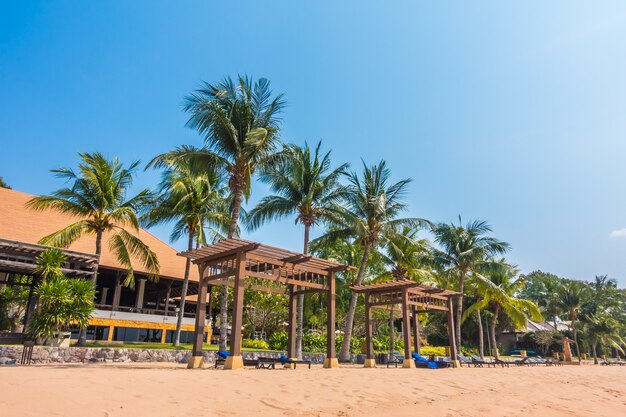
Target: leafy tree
[(97, 197), (305, 185), (500, 296), (13, 302), (240, 125), (369, 213), (4, 184), (573, 295), (605, 330), (544, 289), (192, 201), (463, 251)]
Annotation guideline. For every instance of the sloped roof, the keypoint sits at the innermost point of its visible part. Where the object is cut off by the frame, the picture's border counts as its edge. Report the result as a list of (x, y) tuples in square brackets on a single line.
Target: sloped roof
[(22, 224)]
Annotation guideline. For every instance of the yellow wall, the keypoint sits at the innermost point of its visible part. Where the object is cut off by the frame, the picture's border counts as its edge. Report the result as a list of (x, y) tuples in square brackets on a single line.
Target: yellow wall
[(135, 324)]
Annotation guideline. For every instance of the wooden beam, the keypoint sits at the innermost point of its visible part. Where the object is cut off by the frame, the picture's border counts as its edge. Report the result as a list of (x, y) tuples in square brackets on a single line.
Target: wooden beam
[(331, 317), (369, 348), (198, 336), (281, 264), (237, 320), (225, 254), (297, 259), (406, 324), (416, 330), (453, 352), (283, 280), (292, 324), (250, 286)]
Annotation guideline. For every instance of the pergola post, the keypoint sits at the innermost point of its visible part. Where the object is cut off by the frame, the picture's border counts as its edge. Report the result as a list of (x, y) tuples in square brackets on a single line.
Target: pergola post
[(292, 326), (117, 291), (454, 360), (370, 362), (167, 298), (331, 357), (406, 330), (235, 360), (196, 360), (416, 331)]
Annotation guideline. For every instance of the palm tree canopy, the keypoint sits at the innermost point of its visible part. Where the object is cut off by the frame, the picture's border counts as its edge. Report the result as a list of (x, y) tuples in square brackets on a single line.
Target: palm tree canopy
[(240, 124), (370, 207), (97, 197), (406, 256), (304, 185), (192, 200)]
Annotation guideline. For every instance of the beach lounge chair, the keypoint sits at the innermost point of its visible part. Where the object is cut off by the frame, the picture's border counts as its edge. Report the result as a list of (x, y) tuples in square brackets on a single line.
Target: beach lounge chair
[(479, 363), (464, 360), (295, 362), (221, 359), (422, 362), (395, 359), (524, 361), (615, 362), (505, 363)]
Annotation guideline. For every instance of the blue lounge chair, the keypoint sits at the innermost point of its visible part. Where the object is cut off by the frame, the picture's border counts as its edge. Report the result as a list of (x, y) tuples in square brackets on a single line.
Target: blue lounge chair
[(422, 362)]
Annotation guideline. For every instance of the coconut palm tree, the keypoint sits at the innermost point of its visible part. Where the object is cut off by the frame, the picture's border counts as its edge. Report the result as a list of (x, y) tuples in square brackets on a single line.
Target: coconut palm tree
[(239, 123), (573, 297), (97, 198), (500, 296), (193, 201), (369, 213), (602, 329), (305, 185), (463, 251)]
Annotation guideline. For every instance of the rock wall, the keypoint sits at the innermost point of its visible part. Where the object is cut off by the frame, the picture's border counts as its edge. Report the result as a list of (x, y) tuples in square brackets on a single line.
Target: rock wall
[(41, 354)]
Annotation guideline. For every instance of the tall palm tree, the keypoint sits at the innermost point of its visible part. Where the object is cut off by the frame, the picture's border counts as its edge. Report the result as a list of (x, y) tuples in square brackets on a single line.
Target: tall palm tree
[(305, 186), (97, 198), (406, 257), (573, 297), (500, 295), (369, 213), (463, 252), (603, 329), (193, 201), (240, 125)]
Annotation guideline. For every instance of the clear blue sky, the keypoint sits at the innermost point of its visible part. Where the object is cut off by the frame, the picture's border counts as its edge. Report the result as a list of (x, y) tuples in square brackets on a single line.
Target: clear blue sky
[(513, 113)]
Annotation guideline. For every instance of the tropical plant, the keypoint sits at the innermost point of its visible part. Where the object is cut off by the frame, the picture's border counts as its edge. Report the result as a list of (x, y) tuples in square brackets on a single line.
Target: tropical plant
[(62, 302), (463, 251), (573, 296), (544, 288), (546, 338), (13, 302), (369, 213), (500, 295), (240, 125), (602, 329), (193, 201), (305, 186), (98, 198)]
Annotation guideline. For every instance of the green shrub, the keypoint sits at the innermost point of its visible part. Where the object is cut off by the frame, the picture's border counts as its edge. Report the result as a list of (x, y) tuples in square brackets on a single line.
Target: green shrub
[(278, 340), (255, 344), (433, 350)]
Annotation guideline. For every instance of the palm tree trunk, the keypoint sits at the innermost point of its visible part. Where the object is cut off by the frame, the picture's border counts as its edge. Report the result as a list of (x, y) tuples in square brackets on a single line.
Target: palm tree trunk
[(344, 354), (183, 295), (232, 232), (300, 300), (82, 334), (459, 311), (481, 341), (492, 325), (594, 348)]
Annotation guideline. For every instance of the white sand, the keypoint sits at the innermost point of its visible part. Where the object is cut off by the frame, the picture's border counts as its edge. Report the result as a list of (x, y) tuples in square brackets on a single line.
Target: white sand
[(154, 390)]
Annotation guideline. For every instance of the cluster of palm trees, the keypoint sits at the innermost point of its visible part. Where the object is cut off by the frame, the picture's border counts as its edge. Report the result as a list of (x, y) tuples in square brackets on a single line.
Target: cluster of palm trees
[(204, 191), (594, 311)]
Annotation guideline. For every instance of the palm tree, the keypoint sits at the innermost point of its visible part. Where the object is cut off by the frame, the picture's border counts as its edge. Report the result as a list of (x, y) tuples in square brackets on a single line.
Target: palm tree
[(305, 186), (572, 299), (463, 251), (603, 329), (369, 213), (193, 201), (500, 295), (98, 198), (405, 257), (240, 125)]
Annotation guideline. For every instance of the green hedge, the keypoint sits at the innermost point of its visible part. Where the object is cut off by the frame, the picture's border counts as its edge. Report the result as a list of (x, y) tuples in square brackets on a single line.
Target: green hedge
[(255, 344)]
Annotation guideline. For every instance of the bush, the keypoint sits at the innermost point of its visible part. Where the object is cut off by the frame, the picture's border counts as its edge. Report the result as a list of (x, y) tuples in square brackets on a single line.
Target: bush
[(278, 340), (255, 344), (433, 350)]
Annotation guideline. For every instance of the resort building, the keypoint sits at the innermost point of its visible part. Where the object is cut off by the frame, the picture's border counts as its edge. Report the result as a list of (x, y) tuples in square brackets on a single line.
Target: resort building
[(145, 313)]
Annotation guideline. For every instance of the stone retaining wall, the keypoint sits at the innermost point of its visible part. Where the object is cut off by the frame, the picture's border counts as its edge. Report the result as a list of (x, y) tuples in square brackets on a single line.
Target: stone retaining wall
[(41, 354)]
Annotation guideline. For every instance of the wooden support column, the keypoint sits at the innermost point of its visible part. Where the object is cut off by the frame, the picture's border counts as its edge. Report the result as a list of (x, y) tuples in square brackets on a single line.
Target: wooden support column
[(370, 362), (117, 292), (196, 360), (453, 353), (406, 330), (292, 323), (235, 360), (167, 297), (416, 331), (331, 357)]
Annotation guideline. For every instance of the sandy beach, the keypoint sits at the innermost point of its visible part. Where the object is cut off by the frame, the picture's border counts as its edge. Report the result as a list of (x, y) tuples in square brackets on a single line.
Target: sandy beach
[(155, 390)]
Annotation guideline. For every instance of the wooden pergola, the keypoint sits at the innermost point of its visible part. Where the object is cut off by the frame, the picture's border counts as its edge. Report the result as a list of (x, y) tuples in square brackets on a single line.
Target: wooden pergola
[(243, 264), (413, 298)]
